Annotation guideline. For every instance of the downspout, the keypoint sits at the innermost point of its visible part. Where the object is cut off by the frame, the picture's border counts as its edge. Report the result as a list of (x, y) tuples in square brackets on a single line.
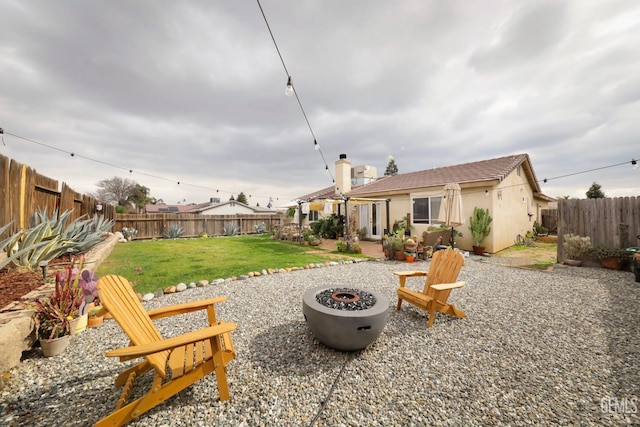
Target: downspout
[(299, 220), (346, 233), (388, 223)]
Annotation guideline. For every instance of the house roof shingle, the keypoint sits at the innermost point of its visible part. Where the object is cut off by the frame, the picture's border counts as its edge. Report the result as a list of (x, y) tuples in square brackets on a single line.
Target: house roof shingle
[(473, 172), (484, 170)]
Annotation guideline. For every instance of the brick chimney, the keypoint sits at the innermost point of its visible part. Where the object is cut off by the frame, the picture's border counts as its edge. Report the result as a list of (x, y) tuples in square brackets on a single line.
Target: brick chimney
[(343, 175)]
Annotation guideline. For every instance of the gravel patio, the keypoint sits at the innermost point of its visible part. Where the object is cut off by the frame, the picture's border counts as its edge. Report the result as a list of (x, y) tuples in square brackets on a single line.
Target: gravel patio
[(536, 348)]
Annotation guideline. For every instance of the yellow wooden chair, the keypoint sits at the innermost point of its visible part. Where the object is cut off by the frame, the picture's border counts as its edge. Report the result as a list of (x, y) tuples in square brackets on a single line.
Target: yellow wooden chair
[(188, 357), (440, 280)]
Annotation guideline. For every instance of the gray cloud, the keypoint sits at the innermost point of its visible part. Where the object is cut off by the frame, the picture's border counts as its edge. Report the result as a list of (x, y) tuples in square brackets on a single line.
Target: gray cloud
[(193, 91)]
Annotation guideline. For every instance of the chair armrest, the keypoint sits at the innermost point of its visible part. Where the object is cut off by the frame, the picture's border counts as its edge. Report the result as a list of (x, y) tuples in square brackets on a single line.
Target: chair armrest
[(171, 343), (187, 307), (445, 286), (404, 274), (410, 273)]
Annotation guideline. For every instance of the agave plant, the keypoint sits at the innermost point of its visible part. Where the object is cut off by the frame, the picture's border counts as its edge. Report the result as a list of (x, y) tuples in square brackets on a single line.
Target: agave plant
[(87, 233), (230, 229), (28, 247), (173, 232), (47, 238)]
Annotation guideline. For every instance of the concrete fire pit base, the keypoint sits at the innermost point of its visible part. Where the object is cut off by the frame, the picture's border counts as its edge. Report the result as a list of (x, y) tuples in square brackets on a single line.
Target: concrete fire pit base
[(345, 330)]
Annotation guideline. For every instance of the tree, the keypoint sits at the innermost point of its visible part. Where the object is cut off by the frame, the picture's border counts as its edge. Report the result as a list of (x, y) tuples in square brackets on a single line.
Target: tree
[(116, 190), (140, 196), (595, 191), (242, 198), (392, 168)]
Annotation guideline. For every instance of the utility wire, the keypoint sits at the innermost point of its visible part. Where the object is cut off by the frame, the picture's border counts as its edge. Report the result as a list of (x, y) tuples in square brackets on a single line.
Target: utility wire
[(295, 91), (217, 190)]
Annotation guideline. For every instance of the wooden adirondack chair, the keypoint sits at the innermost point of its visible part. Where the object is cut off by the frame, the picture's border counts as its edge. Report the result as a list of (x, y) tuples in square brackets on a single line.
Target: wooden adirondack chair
[(440, 280), (189, 357)]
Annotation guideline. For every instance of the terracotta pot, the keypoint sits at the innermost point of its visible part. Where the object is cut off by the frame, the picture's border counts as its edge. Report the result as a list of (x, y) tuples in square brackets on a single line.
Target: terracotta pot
[(612, 263), (409, 258), (400, 256), (95, 321), (55, 346), (478, 250)]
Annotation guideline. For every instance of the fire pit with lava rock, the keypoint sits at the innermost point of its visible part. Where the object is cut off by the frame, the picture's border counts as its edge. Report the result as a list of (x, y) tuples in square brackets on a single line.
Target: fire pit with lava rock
[(345, 319)]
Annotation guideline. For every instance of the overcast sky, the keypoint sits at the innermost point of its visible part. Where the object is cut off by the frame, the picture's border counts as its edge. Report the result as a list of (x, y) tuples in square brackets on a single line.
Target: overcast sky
[(193, 91)]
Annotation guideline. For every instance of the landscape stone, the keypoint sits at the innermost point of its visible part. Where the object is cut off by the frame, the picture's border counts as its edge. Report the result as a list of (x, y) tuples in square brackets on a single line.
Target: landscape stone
[(148, 297), (181, 287)]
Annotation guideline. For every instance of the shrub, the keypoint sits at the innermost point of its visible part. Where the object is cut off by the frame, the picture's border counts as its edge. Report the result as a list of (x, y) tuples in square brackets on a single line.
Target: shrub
[(330, 227), (576, 247)]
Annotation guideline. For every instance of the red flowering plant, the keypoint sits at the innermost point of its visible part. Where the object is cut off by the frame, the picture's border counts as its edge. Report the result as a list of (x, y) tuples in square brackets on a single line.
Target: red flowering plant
[(70, 298)]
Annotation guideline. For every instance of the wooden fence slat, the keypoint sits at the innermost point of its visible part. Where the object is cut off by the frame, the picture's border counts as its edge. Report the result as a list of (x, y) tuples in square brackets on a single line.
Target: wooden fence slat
[(600, 220)]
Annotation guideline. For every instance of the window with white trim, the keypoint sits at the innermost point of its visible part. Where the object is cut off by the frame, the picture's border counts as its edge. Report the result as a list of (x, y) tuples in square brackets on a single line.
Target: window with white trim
[(313, 215), (426, 209)]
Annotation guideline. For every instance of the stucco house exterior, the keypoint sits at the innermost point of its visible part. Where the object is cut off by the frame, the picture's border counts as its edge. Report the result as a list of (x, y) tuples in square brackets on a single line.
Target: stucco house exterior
[(507, 186)]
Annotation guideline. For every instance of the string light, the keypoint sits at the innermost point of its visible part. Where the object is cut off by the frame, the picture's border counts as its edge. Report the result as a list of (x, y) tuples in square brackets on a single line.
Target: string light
[(74, 155), (291, 91), (634, 164)]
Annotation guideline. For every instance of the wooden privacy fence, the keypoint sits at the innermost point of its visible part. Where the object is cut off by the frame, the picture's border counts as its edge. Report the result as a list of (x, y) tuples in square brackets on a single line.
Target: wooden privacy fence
[(23, 191), (153, 225), (613, 222), (549, 220)]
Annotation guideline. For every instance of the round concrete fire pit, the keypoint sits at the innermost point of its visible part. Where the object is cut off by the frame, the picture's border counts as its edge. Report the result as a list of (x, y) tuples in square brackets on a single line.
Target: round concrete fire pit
[(344, 318)]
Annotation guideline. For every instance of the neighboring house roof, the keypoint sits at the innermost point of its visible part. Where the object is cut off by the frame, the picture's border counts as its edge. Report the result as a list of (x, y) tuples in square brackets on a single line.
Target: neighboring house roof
[(164, 208), (473, 172), (199, 207), (325, 193), (213, 206)]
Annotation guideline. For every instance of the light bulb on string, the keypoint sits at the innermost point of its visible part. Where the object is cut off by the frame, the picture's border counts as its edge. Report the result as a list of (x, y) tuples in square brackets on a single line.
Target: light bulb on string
[(289, 89), (316, 146), (634, 164)]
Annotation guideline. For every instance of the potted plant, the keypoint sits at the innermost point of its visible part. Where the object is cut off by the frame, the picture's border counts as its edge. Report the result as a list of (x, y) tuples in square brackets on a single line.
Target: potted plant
[(397, 245), (54, 315), (479, 225), (95, 317), (613, 258), (393, 246), (575, 248), (409, 256)]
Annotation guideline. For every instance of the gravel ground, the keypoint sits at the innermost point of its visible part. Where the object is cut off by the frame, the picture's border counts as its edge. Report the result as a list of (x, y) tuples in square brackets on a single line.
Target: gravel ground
[(536, 348)]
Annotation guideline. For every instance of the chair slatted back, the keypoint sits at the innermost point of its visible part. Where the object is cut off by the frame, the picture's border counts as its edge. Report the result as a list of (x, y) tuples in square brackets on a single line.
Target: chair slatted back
[(445, 267), (118, 297)]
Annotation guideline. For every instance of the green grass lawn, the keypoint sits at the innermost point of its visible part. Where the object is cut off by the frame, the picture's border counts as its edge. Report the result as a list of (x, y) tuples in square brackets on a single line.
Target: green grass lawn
[(156, 264)]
